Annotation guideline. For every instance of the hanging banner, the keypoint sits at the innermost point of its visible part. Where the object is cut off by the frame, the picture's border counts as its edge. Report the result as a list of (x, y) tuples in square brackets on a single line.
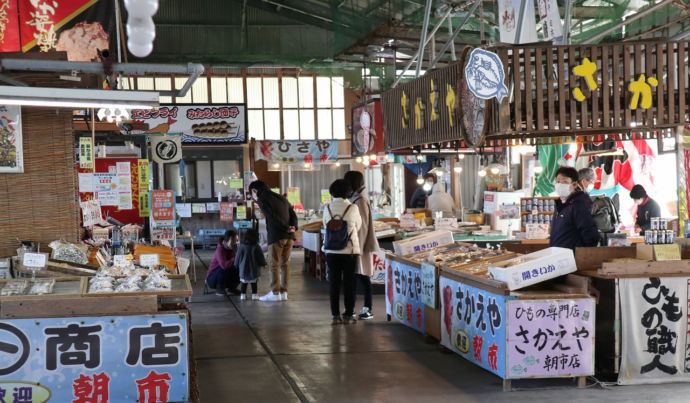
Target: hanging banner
[(474, 324), (9, 26), (550, 19), (429, 285), (143, 174), (142, 358), (550, 338), (81, 28), (654, 327), (404, 294), (86, 152), (162, 215), (509, 15), (11, 157), (144, 208), (295, 152), (225, 123), (367, 129), (166, 148)]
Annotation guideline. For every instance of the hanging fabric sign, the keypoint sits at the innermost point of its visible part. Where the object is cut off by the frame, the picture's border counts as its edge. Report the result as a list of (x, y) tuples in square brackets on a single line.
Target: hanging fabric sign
[(166, 149), (295, 152), (654, 326), (550, 19), (509, 16), (86, 153)]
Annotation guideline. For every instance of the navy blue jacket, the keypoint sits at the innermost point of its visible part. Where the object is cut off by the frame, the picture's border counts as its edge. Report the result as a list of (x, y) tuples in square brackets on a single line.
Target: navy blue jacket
[(645, 212), (572, 225)]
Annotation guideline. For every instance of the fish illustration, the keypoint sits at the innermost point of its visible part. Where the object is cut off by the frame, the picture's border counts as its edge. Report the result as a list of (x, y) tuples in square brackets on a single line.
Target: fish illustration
[(529, 361), (485, 75)]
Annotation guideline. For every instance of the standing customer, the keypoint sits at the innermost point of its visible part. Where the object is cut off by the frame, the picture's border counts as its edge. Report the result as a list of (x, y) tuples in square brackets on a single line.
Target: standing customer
[(341, 246), (249, 261), (281, 223), (222, 273), (646, 208), (367, 239), (587, 178), (572, 225)]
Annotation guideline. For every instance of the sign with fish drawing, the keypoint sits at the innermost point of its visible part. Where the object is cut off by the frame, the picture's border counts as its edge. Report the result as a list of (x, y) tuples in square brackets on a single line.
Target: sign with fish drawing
[(485, 75)]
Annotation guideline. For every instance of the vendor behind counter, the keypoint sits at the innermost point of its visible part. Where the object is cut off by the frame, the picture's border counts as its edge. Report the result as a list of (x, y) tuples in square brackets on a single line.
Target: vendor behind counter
[(572, 225)]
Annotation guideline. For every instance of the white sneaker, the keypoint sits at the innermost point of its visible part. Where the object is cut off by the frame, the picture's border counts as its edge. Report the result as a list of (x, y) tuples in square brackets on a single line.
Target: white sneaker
[(243, 297), (255, 297), (283, 296), (270, 297)]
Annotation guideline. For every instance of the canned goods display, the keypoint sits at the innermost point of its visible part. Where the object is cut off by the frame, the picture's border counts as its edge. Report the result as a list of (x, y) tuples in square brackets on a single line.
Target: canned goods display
[(663, 223), (670, 236), (661, 237), (654, 222)]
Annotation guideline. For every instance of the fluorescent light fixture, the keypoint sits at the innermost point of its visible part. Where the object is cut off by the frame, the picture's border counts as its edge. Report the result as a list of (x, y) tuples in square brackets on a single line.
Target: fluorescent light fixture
[(77, 98)]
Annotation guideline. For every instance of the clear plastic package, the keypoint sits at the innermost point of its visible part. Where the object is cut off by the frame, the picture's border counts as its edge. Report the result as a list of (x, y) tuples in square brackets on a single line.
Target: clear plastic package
[(14, 287), (157, 281), (42, 287)]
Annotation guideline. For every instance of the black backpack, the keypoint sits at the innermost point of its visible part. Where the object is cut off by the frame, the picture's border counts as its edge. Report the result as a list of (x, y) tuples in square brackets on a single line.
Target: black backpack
[(605, 214), (337, 232)]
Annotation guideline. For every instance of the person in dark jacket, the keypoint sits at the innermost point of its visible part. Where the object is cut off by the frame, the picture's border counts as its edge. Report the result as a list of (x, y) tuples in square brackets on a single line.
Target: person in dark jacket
[(222, 273), (572, 225), (420, 195), (281, 224), (249, 261), (646, 208)]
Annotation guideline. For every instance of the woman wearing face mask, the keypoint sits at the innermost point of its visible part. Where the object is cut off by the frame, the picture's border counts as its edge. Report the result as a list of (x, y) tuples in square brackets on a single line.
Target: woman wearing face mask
[(419, 196), (222, 273), (646, 208), (572, 225)]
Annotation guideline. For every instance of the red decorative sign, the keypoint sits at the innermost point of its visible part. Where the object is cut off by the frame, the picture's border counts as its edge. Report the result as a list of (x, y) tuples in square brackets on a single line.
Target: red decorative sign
[(163, 205), (9, 26)]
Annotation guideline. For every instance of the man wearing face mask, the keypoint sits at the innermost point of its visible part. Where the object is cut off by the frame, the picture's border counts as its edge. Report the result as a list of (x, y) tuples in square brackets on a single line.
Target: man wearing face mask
[(419, 196), (587, 179), (646, 208), (572, 225)]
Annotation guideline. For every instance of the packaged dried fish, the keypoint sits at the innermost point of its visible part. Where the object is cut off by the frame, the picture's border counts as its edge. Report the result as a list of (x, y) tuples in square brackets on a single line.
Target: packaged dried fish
[(42, 287), (14, 287)]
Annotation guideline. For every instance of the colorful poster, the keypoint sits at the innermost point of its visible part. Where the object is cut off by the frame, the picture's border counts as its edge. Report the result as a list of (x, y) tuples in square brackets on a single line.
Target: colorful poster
[(378, 265), (226, 212), (96, 359), (104, 182), (198, 208), (86, 152), (11, 157), (550, 338), (163, 205), (184, 210), (654, 326), (367, 129), (296, 152), (325, 196), (91, 213), (241, 212), (197, 123), (144, 208), (236, 183), (404, 294), (429, 285), (294, 195), (9, 26), (474, 324), (143, 174)]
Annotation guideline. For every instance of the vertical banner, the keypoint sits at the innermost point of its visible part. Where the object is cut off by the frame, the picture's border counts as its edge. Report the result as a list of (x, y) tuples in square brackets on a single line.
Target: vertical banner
[(654, 326), (474, 324), (162, 215), (550, 338), (144, 207), (429, 285), (404, 294), (143, 174), (9, 26), (550, 19), (11, 157), (509, 15), (86, 152)]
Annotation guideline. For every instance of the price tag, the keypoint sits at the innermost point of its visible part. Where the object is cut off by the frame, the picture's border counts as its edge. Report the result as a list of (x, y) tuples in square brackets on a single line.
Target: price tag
[(149, 260), (35, 260), (120, 260)]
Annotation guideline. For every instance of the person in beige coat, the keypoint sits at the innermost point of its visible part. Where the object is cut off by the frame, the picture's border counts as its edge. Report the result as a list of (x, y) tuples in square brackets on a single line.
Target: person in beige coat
[(367, 239)]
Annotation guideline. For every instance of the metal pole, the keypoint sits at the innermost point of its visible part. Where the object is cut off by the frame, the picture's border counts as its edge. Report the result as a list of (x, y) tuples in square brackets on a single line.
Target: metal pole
[(455, 34), (627, 21), (453, 55), (422, 38), (568, 21), (521, 19), (417, 54)]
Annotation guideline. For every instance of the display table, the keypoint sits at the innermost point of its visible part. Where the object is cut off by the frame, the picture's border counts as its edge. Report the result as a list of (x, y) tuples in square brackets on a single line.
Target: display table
[(314, 263)]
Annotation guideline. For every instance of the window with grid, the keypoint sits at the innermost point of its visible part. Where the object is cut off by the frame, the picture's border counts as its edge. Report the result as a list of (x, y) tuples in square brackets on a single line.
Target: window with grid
[(289, 108)]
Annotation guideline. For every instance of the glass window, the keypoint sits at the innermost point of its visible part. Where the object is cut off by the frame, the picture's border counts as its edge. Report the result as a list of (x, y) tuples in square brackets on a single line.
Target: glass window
[(289, 92), (174, 181), (272, 124), (254, 93), (291, 124), (145, 83), (219, 90), (164, 84), (325, 118), (271, 93), (323, 92), (306, 124), (306, 92), (187, 99), (223, 171), (203, 179), (235, 90), (338, 92), (256, 124), (339, 124), (200, 91)]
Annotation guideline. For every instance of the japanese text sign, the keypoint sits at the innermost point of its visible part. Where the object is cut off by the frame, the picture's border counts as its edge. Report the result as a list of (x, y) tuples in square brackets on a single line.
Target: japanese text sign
[(226, 210), (95, 359), (429, 285), (654, 325), (474, 324), (35, 260), (85, 152), (163, 205), (550, 338), (378, 267), (149, 260), (295, 152), (404, 294)]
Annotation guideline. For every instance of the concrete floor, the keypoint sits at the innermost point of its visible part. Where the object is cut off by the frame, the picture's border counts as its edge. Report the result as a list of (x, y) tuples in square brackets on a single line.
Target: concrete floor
[(289, 352)]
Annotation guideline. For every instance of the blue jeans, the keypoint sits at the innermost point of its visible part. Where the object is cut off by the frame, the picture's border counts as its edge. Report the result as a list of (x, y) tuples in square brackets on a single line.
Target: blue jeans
[(224, 279)]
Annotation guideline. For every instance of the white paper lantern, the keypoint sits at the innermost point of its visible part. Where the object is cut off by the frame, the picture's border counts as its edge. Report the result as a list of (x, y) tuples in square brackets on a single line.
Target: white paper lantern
[(140, 49), (141, 8), (141, 30)]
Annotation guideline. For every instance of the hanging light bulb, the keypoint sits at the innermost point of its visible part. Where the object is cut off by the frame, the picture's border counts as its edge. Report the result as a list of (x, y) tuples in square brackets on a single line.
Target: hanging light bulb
[(482, 173), (276, 165), (420, 180), (427, 186), (495, 171), (461, 156), (457, 169), (358, 160), (372, 157), (307, 165), (337, 163), (538, 170)]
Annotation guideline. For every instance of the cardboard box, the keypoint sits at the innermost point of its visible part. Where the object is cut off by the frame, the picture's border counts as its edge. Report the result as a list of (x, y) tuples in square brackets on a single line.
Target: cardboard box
[(422, 243), (534, 268), (662, 252)]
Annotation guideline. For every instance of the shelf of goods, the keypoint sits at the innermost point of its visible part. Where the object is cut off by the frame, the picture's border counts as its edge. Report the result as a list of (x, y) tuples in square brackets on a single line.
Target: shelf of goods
[(536, 210), (455, 300)]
